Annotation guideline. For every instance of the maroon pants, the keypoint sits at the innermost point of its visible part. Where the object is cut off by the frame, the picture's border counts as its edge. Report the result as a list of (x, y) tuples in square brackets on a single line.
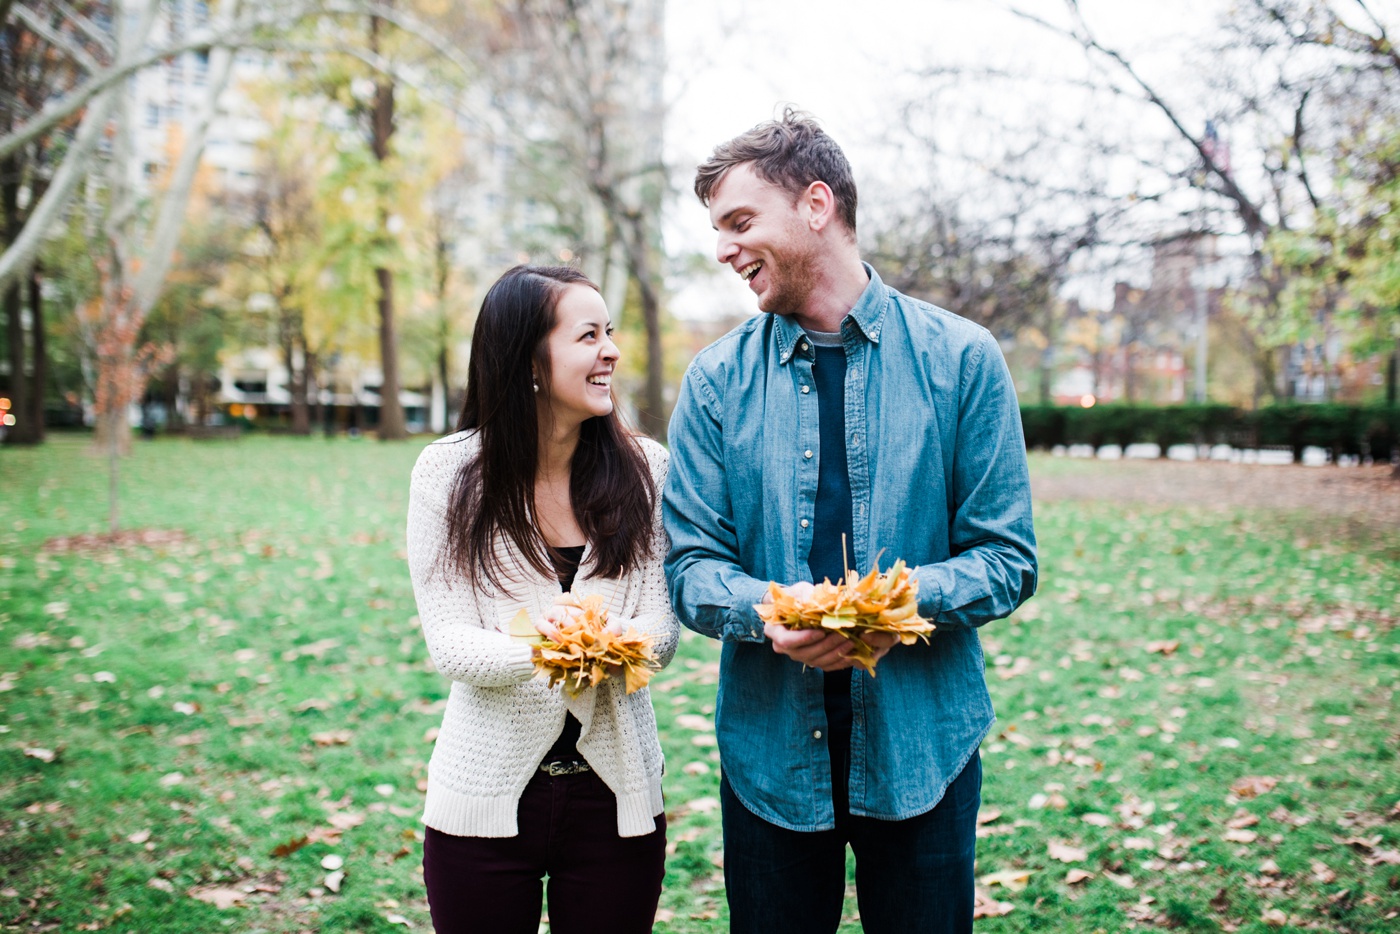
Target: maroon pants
[(598, 881)]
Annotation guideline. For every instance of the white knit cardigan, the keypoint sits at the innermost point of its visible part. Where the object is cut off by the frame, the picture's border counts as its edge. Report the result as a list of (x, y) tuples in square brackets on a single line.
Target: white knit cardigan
[(500, 720)]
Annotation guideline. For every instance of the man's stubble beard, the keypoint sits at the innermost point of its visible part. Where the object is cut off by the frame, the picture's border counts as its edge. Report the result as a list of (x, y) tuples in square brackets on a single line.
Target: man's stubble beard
[(792, 286)]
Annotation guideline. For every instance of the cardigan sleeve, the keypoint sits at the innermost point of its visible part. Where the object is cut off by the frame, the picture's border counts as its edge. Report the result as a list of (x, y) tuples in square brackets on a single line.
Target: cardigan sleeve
[(462, 640)]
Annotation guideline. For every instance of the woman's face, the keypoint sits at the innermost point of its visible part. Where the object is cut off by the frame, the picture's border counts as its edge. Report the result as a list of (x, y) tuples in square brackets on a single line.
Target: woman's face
[(582, 357)]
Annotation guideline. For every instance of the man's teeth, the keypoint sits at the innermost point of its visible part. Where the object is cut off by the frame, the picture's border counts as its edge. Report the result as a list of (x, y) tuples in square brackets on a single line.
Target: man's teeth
[(751, 270)]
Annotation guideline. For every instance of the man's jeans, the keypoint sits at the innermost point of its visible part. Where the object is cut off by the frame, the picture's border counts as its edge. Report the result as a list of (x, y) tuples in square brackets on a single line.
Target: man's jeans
[(912, 875)]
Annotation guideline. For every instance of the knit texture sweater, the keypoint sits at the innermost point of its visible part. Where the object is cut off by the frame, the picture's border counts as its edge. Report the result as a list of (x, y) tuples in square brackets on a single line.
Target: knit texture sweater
[(500, 720)]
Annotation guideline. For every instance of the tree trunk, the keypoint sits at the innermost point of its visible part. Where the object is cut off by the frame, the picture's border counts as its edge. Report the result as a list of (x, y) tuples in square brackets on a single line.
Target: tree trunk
[(296, 376), (1392, 365), (13, 301), (653, 408), (391, 421), (38, 383)]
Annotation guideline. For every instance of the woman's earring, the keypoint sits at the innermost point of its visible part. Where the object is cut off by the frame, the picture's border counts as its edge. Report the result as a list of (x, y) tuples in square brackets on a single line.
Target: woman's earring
[(535, 383)]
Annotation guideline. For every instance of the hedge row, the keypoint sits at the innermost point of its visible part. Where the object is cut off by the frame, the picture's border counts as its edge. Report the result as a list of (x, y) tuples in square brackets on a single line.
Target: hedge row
[(1365, 431)]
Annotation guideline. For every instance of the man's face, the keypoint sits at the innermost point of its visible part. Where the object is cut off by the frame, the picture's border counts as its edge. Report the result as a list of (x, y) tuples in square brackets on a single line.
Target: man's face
[(764, 238)]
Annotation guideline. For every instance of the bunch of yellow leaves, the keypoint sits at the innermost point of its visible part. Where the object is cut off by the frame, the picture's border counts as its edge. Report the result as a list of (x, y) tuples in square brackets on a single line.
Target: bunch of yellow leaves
[(877, 602), (588, 650)]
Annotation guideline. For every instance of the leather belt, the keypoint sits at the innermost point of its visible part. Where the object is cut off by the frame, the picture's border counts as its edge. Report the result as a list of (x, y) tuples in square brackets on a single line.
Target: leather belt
[(556, 769)]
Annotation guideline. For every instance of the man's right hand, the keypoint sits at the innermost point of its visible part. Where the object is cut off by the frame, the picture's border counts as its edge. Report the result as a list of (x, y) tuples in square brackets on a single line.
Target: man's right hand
[(815, 648)]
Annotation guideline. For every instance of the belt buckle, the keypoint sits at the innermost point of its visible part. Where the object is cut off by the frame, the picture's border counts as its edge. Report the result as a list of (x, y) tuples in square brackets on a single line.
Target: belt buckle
[(557, 769)]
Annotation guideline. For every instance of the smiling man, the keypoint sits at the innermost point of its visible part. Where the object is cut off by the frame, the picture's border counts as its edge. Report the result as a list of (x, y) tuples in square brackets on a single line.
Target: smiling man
[(847, 419)]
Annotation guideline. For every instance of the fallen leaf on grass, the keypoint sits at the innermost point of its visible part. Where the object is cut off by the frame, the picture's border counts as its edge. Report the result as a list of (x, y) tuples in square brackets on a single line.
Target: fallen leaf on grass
[(171, 779), (345, 820), (1254, 785), (702, 805), (334, 879), (985, 907), (327, 835), (140, 836), (1240, 836), (1067, 853), (314, 703), (1013, 880), (1383, 857), (986, 817), (696, 768), (1097, 820), (1076, 876), (1274, 918), (1241, 819), (43, 755), (290, 847), (398, 919), (1122, 881), (1323, 873), (159, 884), (218, 896), (333, 738), (1164, 647), (693, 721)]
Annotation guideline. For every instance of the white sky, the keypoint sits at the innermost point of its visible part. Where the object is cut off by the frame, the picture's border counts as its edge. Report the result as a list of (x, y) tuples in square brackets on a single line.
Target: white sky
[(847, 63)]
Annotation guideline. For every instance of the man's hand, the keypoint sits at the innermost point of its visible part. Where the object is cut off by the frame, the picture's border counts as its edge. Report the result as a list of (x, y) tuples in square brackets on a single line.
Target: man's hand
[(815, 648), (880, 643)]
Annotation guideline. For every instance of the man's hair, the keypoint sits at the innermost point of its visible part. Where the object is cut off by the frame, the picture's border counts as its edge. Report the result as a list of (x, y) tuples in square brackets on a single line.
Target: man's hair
[(791, 153)]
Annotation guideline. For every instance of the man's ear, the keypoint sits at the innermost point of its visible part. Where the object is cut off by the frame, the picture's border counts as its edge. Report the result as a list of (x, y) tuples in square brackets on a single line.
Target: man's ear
[(820, 204)]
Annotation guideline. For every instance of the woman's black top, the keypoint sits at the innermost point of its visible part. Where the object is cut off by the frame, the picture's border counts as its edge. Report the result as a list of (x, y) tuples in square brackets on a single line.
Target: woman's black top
[(565, 748)]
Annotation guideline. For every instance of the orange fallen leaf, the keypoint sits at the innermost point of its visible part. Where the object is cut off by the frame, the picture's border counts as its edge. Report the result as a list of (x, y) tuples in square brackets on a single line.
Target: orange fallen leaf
[(290, 847), (1252, 786)]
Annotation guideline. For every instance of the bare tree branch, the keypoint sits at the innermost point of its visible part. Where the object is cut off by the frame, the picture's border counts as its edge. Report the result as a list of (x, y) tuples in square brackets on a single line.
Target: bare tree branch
[(54, 38), (1249, 211), (86, 26)]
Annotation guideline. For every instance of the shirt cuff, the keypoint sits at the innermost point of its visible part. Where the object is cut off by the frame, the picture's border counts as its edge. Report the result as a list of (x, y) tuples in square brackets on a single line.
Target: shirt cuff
[(743, 623)]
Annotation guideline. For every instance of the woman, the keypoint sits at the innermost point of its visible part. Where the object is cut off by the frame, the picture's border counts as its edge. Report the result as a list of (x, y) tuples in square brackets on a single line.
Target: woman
[(541, 490)]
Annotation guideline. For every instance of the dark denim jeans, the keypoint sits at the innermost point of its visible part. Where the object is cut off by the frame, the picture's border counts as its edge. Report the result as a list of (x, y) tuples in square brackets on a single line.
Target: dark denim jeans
[(599, 883), (913, 876)]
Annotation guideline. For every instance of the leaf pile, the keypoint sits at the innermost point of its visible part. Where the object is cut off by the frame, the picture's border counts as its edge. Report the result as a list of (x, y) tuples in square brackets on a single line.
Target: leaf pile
[(877, 602), (587, 650)]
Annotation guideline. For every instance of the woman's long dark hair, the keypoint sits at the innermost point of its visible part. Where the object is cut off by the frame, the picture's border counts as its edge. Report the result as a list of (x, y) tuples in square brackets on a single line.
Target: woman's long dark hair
[(610, 483)]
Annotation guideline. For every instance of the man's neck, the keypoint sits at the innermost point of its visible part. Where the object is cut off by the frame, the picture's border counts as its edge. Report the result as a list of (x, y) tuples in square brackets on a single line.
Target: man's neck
[(834, 294)]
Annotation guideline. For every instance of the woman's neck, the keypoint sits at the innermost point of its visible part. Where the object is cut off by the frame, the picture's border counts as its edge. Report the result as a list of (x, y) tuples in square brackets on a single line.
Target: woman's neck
[(557, 448)]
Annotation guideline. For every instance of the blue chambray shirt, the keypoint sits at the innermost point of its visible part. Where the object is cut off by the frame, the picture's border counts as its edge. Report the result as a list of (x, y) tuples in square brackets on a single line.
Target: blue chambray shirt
[(938, 477)]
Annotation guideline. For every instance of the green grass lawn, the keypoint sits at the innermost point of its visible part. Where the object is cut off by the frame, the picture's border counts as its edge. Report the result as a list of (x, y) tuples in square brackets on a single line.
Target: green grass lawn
[(1197, 711)]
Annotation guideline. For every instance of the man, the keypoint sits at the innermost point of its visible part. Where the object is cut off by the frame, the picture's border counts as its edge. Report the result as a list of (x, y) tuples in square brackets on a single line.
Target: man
[(847, 423)]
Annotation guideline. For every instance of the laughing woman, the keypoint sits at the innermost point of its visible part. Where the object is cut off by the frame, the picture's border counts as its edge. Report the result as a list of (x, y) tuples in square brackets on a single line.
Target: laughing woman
[(542, 490)]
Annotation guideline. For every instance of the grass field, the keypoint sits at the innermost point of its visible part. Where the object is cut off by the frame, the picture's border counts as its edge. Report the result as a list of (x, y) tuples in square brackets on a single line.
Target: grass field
[(1197, 712)]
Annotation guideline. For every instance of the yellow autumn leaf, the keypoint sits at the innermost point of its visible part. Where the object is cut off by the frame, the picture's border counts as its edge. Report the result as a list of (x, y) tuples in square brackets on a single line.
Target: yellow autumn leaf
[(523, 629)]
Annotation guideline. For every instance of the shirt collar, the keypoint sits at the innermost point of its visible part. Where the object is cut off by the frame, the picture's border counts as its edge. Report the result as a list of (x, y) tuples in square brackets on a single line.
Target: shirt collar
[(867, 315)]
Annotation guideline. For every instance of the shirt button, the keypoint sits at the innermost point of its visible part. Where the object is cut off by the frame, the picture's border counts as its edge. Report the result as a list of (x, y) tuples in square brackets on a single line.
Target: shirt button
[(803, 345), (806, 389), (804, 523), (806, 453), (816, 734)]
